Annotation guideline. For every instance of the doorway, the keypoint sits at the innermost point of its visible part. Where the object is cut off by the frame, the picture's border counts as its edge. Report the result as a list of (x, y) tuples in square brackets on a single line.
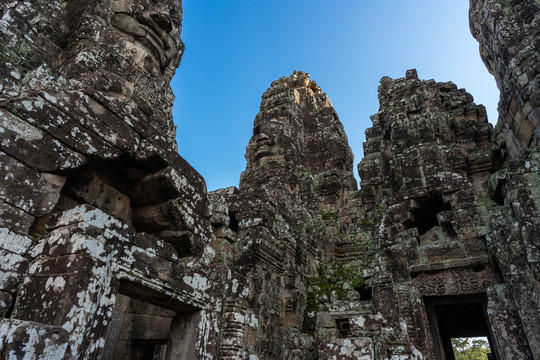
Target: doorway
[(458, 317), (147, 325)]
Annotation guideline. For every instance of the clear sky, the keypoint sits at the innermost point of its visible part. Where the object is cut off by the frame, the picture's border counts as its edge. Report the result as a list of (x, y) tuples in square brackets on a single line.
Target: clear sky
[(236, 48)]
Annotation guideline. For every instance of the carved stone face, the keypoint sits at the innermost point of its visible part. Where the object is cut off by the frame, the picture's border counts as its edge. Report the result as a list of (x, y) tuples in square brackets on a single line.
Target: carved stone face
[(154, 26), (128, 49), (271, 141), (137, 41)]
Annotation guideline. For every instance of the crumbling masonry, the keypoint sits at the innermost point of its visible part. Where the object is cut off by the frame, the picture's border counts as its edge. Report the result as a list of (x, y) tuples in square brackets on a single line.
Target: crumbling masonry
[(111, 248)]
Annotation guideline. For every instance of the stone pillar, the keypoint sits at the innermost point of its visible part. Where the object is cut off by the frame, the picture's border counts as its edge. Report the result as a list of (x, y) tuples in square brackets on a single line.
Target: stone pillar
[(233, 331)]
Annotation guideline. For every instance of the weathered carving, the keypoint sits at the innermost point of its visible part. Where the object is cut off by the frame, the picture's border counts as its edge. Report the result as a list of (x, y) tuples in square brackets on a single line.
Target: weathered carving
[(454, 282), (508, 34), (111, 247)]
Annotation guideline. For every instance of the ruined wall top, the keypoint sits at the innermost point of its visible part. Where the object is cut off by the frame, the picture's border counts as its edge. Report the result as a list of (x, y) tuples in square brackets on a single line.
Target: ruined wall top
[(422, 130)]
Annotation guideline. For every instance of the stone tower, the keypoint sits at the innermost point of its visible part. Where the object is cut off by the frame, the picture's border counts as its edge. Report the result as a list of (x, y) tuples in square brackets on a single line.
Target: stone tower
[(111, 248), (299, 165)]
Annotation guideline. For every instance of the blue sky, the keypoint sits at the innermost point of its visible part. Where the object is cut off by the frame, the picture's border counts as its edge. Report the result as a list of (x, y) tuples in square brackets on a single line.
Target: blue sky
[(235, 49)]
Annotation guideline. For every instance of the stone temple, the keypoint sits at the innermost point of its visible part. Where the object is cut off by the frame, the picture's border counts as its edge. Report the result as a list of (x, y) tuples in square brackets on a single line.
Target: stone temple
[(111, 247)]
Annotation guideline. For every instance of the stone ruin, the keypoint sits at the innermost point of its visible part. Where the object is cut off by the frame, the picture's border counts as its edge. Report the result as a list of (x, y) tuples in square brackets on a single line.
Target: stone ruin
[(111, 247)]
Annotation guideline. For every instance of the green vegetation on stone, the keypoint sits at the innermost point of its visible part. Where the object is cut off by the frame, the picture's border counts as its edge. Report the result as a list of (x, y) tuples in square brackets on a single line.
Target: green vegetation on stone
[(470, 348)]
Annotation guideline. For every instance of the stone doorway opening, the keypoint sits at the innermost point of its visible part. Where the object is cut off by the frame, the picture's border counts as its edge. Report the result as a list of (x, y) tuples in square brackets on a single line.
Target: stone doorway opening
[(150, 328), (138, 330), (458, 317)]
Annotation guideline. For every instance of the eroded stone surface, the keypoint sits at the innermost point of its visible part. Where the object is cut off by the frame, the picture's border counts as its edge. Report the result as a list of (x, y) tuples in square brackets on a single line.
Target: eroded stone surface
[(111, 247), (97, 201), (508, 37), (28, 340)]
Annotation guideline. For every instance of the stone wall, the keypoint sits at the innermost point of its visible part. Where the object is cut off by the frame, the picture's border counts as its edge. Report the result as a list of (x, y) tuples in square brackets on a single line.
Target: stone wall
[(96, 203), (112, 248)]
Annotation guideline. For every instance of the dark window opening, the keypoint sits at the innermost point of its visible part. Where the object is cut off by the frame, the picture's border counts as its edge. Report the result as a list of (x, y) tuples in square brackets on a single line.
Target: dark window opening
[(425, 217), (182, 241), (343, 327), (457, 317), (365, 292), (233, 222), (498, 195)]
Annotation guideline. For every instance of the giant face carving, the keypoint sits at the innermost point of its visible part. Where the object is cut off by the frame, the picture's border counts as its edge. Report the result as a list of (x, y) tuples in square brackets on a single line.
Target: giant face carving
[(271, 141), (154, 26), (143, 33), (129, 50), (266, 142)]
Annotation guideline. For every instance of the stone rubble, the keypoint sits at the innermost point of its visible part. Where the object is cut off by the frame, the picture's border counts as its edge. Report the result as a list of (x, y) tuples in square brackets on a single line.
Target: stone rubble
[(111, 247)]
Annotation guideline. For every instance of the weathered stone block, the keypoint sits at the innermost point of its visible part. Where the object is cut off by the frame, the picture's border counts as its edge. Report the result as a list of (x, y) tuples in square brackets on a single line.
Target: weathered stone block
[(15, 219), (29, 340), (14, 243), (5, 303), (35, 148), (347, 349), (12, 269)]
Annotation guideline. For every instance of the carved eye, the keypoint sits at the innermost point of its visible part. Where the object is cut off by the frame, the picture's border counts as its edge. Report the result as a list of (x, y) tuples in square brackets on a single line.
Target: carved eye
[(175, 18)]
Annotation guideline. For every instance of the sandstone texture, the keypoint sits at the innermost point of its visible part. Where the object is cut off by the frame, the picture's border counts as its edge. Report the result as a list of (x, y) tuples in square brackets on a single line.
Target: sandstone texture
[(111, 247), (508, 33)]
